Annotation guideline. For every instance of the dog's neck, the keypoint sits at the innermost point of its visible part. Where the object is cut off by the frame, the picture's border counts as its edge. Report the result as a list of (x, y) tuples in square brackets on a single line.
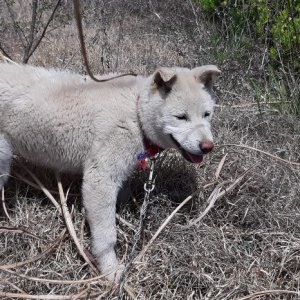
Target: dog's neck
[(150, 148)]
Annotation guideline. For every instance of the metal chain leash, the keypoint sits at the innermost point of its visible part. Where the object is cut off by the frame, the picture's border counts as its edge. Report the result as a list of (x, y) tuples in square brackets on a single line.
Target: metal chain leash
[(148, 188)]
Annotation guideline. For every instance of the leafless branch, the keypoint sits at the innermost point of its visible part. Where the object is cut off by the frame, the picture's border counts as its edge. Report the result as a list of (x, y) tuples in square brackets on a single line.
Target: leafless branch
[(38, 41)]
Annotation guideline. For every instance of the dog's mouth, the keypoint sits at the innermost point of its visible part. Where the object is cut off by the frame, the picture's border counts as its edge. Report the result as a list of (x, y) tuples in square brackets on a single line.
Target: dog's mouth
[(193, 158)]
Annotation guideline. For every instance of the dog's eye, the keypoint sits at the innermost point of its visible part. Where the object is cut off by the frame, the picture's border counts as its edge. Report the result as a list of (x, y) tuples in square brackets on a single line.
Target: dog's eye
[(206, 114), (182, 117)]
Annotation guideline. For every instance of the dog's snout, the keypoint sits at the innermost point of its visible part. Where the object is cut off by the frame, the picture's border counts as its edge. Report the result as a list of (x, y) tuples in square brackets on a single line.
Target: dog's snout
[(206, 146)]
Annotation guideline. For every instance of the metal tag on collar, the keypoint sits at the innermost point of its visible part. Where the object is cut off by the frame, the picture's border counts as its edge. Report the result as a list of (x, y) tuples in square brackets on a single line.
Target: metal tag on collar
[(150, 183)]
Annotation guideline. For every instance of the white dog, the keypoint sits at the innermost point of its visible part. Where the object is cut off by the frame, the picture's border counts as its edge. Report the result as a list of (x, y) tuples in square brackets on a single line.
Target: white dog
[(60, 120)]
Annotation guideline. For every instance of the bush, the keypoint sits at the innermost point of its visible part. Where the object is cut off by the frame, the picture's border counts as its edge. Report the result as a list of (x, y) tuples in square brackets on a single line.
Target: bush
[(274, 26), (276, 23)]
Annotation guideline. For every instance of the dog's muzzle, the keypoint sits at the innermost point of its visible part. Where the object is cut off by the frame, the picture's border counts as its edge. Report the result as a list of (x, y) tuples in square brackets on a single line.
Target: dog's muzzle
[(205, 147)]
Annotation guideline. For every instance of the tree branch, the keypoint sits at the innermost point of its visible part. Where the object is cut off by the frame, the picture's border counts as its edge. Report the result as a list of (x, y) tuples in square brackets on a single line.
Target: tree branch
[(32, 30), (43, 33)]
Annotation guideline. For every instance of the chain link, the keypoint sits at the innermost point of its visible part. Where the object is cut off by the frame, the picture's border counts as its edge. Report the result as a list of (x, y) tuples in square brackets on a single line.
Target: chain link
[(148, 188)]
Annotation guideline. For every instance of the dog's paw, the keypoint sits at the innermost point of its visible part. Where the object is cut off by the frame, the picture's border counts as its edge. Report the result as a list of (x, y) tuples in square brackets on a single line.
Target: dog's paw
[(115, 274)]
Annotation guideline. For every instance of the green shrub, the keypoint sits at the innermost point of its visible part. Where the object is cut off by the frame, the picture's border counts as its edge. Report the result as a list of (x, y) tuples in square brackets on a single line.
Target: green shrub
[(273, 26), (274, 23)]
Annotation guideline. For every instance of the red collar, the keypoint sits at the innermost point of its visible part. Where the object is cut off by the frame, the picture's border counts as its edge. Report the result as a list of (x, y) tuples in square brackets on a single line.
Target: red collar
[(151, 148), (150, 151)]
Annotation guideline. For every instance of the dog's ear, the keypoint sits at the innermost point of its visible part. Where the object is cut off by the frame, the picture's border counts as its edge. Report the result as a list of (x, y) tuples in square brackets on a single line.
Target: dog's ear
[(163, 80), (207, 75)]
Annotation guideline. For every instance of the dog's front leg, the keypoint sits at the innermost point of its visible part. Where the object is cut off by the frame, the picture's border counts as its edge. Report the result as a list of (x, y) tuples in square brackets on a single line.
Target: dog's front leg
[(5, 160), (99, 195)]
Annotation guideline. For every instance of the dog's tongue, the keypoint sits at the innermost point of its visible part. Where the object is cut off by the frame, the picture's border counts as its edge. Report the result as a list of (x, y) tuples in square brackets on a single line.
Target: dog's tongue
[(197, 159)]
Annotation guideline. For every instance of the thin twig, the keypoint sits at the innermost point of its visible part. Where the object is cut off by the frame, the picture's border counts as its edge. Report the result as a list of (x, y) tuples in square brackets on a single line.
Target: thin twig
[(123, 221), (43, 32), (217, 194), (4, 205), (214, 196), (27, 181), (80, 294), (162, 226), (12, 285), (200, 31), (130, 292), (220, 166), (37, 257), (18, 29), (264, 152), (45, 297), (43, 188), (269, 292), (77, 15), (94, 280), (32, 184), (70, 225), (17, 230), (32, 29), (4, 55)]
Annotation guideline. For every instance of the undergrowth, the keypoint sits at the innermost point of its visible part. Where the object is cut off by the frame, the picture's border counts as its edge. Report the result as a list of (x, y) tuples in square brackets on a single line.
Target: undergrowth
[(264, 36)]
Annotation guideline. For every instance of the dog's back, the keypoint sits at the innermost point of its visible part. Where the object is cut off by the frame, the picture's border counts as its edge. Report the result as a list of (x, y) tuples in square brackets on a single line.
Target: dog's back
[(51, 116)]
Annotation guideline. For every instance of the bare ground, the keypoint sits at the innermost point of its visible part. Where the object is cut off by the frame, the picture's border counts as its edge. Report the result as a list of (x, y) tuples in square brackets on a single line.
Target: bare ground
[(247, 242)]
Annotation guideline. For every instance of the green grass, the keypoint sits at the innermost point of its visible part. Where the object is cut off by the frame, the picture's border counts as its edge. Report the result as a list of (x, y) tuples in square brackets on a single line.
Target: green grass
[(268, 59)]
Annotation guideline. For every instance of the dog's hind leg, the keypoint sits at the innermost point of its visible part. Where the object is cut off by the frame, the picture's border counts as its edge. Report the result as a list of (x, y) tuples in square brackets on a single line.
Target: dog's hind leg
[(5, 160)]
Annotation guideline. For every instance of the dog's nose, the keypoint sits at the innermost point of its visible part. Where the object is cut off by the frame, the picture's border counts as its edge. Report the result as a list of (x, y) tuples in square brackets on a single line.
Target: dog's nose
[(206, 146)]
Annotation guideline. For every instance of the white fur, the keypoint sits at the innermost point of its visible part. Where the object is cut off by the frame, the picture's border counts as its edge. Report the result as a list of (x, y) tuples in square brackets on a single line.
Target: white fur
[(60, 120), (5, 160)]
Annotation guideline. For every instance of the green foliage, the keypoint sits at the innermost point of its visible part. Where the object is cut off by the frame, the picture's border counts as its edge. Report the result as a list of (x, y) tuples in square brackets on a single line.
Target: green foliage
[(275, 23), (210, 4), (274, 27), (277, 93)]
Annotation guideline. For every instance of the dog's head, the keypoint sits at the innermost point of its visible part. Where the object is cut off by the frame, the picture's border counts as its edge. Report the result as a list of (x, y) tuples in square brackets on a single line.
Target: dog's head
[(183, 102)]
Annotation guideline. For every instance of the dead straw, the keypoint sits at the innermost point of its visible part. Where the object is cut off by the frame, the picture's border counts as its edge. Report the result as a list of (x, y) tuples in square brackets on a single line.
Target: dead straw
[(46, 297), (4, 205), (263, 152), (162, 226), (70, 225), (37, 257), (218, 194), (269, 292), (43, 188), (93, 280)]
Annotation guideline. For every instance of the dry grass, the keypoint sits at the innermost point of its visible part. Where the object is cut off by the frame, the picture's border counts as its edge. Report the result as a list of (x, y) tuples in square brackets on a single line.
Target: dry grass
[(245, 242)]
